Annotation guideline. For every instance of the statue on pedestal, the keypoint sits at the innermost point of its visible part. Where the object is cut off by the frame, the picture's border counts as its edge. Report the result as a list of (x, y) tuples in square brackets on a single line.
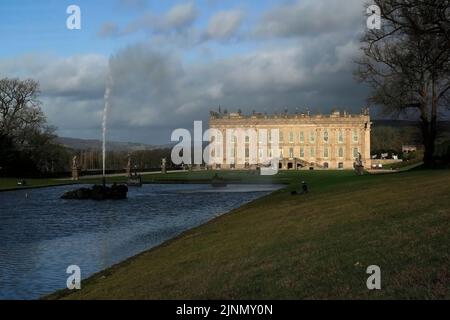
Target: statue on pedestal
[(134, 179), (75, 169), (163, 166), (128, 167), (359, 167)]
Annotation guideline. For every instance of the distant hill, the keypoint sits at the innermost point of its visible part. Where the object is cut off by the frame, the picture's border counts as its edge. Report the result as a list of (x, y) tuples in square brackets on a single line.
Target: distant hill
[(92, 144)]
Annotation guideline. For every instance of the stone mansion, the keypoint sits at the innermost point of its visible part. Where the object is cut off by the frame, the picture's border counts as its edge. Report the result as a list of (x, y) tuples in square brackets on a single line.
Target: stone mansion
[(306, 141)]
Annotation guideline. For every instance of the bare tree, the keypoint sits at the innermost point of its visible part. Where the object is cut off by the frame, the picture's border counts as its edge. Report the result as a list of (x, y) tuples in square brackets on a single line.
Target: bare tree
[(27, 143), (20, 110), (407, 62)]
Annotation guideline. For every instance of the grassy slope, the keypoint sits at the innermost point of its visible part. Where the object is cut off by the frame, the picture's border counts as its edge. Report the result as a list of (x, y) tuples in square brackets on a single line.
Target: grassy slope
[(313, 246)]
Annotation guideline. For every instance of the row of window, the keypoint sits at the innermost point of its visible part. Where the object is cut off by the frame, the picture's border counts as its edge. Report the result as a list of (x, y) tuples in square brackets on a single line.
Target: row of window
[(340, 136), (291, 154), (302, 136), (326, 152), (326, 165)]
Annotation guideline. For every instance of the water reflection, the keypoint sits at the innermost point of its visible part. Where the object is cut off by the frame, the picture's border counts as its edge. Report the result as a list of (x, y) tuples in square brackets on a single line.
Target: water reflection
[(40, 234)]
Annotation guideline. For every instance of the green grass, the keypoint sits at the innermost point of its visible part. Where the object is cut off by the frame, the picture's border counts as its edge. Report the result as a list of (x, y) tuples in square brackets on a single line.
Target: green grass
[(316, 246), (11, 183)]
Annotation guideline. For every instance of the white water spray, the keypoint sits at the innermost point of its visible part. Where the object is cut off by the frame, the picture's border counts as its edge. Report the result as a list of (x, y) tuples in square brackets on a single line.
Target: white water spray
[(105, 114)]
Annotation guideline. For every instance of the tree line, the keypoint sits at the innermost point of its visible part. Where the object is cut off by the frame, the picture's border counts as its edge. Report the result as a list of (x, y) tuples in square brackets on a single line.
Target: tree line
[(142, 160)]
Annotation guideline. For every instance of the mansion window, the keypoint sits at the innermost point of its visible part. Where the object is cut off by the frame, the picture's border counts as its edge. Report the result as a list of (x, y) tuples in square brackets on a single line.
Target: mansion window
[(281, 136), (340, 136), (261, 153), (291, 152), (262, 136), (302, 152), (302, 137), (247, 152), (313, 152), (325, 136), (312, 136), (291, 137), (325, 152), (341, 152), (355, 152), (355, 135)]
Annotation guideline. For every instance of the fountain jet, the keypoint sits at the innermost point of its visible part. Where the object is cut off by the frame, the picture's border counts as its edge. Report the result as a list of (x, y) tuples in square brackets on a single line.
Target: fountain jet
[(105, 115), (115, 192)]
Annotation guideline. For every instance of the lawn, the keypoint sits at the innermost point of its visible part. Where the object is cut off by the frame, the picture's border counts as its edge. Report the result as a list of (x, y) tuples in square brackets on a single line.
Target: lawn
[(11, 183), (303, 247), (283, 177)]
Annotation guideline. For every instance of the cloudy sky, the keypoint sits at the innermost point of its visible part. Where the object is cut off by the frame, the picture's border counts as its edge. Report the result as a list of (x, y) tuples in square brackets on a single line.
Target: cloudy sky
[(171, 62)]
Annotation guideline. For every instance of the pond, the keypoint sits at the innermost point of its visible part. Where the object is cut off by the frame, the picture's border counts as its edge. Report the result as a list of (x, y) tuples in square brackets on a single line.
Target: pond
[(41, 234)]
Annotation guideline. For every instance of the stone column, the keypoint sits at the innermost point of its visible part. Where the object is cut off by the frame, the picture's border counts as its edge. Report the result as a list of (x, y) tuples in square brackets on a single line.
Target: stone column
[(75, 174)]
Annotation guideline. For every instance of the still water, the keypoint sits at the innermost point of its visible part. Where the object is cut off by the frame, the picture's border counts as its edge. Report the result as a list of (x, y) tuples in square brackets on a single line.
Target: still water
[(41, 234)]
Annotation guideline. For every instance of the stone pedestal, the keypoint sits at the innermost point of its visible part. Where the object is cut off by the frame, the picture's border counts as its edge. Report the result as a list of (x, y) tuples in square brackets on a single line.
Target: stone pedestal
[(359, 169), (76, 174)]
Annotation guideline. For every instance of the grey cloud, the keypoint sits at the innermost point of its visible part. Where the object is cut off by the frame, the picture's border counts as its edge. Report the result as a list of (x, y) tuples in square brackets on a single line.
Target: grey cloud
[(145, 22), (312, 17), (155, 90), (71, 88), (181, 15), (178, 18), (108, 29), (224, 24), (78, 77), (145, 85)]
